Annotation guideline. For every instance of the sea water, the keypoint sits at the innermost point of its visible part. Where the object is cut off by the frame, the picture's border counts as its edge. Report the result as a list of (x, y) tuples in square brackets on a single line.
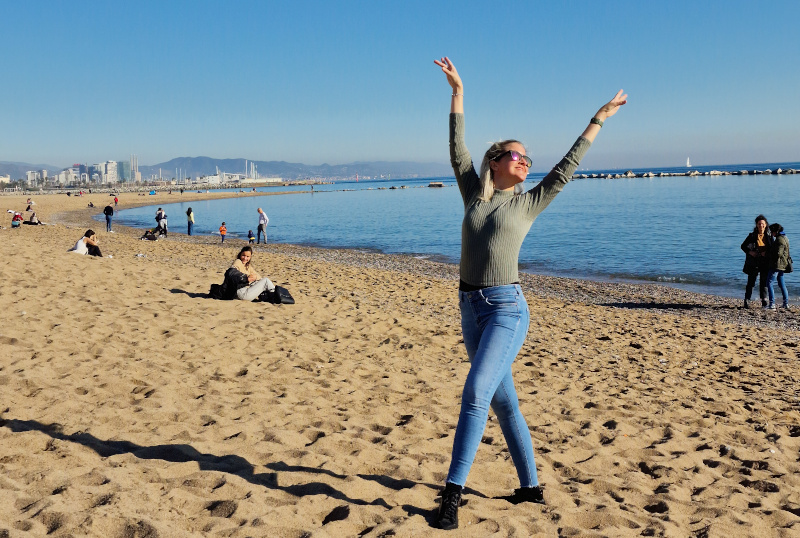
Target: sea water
[(680, 231)]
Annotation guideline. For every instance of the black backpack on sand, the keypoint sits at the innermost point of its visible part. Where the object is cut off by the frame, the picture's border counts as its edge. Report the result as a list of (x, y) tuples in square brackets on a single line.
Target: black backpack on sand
[(280, 296)]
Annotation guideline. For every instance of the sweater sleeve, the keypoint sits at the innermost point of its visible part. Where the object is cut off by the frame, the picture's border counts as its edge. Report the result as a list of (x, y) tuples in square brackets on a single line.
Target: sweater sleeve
[(540, 196), (460, 159)]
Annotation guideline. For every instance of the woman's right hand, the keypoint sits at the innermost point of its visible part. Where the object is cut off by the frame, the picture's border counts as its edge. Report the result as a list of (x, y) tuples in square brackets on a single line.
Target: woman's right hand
[(452, 75)]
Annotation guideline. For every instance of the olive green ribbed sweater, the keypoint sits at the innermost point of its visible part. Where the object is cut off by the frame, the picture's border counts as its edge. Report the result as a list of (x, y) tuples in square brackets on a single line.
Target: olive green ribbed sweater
[(492, 232)]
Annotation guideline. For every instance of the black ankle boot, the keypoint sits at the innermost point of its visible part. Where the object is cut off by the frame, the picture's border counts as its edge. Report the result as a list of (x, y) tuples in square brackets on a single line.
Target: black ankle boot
[(447, 518), (525, 495)]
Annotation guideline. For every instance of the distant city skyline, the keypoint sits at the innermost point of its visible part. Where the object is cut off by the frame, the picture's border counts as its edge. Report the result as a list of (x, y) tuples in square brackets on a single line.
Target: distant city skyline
[(319, 82)]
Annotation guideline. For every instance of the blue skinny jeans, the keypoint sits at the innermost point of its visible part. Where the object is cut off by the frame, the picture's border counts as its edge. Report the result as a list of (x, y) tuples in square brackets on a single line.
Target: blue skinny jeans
[(494, 322), (781, 284)]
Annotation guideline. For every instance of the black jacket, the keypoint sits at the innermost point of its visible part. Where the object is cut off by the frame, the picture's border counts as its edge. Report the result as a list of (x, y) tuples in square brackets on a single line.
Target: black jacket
[(754, 264), (234, 279), (108, 211)]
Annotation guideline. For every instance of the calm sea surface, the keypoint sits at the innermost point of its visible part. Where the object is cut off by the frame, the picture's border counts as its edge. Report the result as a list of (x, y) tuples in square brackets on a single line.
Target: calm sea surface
[(679, 231)]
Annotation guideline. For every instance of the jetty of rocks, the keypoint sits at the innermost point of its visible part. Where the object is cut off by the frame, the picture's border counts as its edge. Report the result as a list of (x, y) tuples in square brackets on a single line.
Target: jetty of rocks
[(631, 174)]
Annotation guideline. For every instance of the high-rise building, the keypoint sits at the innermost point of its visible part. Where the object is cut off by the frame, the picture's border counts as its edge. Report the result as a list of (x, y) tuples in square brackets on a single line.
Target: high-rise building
[(124, 171), (135, 174), (96, 172), (111, 172)]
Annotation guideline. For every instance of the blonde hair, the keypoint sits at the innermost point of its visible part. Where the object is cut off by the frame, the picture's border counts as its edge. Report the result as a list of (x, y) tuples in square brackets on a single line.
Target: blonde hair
[(486, 179)]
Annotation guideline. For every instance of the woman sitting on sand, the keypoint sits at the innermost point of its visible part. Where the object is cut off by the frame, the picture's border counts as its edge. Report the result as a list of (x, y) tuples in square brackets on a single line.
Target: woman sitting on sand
[(756, 246), (779, 262), (33, 220), (247, 282), (494, 314), (87, 245)]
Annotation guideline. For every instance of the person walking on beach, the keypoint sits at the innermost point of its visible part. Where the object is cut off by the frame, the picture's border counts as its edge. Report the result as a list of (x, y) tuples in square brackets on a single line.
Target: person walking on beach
[(116, 201), (756, 246), (262, 225), (494, 314), (223, 231), (108, 211), (780, 262), (189, 221)]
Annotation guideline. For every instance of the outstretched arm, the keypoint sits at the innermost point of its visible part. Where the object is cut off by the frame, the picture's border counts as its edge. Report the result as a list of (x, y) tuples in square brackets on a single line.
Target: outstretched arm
[(468, 182), (542, 194), (605, 112), (457, 100)]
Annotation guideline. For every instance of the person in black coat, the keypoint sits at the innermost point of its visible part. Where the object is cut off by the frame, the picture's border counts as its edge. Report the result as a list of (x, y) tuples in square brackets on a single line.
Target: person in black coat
[(756, 246)]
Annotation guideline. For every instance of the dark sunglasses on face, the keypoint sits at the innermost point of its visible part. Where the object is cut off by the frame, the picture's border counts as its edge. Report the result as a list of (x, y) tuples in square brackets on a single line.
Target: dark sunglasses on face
[(515, 156)]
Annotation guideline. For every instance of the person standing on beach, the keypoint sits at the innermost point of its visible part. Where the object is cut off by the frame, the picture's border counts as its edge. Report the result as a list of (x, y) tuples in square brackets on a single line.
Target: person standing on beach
[(780, 262), (223, 230), (262, 225), (756, 247), (189, 221), (116, 201), (108, 211), (161, 219), (494, 313)]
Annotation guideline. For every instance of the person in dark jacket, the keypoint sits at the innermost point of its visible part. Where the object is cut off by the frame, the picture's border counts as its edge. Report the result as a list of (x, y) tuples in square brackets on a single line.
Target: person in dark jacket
[(756, 246), (779, 262), (109, 213)]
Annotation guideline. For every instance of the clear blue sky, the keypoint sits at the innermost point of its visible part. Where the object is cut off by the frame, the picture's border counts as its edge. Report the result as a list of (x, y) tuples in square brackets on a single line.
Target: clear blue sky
[(336, 82)]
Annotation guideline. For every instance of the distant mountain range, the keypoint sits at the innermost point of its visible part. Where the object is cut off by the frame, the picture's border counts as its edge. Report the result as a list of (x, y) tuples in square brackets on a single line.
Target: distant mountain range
[(206, 166), (19, 170)]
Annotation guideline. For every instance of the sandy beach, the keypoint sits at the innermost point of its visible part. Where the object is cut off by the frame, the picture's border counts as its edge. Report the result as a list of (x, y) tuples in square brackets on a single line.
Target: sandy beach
[(133, 406)]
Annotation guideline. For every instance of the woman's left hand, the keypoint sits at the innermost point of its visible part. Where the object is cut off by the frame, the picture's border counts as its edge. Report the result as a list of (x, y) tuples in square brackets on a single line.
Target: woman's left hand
[(611, 108)]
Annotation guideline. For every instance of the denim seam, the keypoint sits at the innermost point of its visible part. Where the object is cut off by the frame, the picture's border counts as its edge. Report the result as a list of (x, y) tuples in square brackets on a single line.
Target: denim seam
[(515, 425), (513, 415)]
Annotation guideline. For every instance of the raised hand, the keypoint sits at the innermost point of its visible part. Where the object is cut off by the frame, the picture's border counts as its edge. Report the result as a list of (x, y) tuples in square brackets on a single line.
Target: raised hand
[(611, 108), (452, 75)]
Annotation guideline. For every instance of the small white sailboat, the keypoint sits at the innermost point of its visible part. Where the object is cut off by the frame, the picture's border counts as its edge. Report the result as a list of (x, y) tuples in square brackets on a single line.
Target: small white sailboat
[(688, 163)]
